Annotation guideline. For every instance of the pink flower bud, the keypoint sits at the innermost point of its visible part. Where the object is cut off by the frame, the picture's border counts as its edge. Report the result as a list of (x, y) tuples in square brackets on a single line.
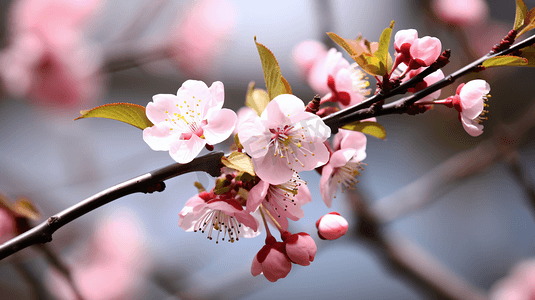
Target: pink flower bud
[(300, 247), (424, 52), (331, 226), (403, 40), (272, 261)]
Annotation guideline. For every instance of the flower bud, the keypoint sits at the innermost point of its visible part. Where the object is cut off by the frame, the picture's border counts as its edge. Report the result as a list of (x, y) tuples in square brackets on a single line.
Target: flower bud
[(331, 226), (272, 261), (300, 247)]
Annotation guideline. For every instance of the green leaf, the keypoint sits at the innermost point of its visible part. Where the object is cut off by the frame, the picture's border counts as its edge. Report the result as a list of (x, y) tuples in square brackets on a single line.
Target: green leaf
[(371, 128), (504, 60), (382, 51), (521, 13), (256, 99), (275, 83), (529, 21), (529, 54), (239, 161), (128, 113), (352, 47)]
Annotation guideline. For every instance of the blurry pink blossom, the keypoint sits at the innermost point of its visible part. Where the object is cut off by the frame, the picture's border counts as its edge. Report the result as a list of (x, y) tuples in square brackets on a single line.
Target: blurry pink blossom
[(282, 201), (306, 54), (300, 247), (111, 268), (271, 261), (185, 123), (461, 12), (344, 164), (469, 102), (284, 139), (326, 69), (519, 285), (331, 226), (197, 40), (47, 59)]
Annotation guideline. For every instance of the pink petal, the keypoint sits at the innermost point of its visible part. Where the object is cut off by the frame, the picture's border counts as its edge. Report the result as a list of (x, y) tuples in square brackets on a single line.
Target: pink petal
[(404, 37), (279, 110), (472, 127), (256, 195), (306, 54), (191, 92), (184, 151), (256, 267), (160, 136), (272, 168), (327, 186), (217, 92), (254, 137), (156, 110), (220, 126), (246, 219), (472, 94), (276, 266), (341, 157)]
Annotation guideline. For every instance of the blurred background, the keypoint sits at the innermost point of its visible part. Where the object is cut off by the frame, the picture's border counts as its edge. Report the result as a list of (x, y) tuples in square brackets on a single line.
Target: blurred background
[(96, 52)]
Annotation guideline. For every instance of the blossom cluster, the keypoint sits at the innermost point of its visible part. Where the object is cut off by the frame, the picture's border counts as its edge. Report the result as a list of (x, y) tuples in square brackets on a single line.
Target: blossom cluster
[(260, 183)]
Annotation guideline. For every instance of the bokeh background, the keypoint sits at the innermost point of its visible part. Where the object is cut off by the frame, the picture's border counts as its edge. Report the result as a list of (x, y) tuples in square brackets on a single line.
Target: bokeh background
[(479, 228)]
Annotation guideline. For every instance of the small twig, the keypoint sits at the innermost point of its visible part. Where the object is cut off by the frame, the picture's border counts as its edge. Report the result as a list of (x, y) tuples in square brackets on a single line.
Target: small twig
[(147, 183)]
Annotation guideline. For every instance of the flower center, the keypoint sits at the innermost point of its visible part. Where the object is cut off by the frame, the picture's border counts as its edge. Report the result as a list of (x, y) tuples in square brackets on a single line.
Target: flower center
[(186, 115), (222, 223), (288, 141), (345, 175)]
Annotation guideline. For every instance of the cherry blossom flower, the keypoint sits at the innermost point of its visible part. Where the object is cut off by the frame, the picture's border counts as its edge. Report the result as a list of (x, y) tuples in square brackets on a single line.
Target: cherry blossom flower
[(271, 261), (284, 139), (325, 68), (48, 59), (461, 13), (402, 44), (200, 35), (469, 102), (185, 123), (428, 80), (331, 226), (300, 247), (519, 285), (344, 164), (424, 51), (208, 212), (282, 201)]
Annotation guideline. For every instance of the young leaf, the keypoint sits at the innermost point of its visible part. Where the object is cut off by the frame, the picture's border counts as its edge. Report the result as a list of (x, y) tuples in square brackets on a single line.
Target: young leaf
[(352, 47), (371, 128), (502, 61), (275, 83), (239, 161), (529, 21), (128, 113), (529, 54), (25, 208), (256, 99), (382, 51), (521, 13), (363, 53)]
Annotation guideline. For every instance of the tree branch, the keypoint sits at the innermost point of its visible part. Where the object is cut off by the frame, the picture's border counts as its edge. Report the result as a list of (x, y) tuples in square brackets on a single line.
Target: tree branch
[(147, 183)]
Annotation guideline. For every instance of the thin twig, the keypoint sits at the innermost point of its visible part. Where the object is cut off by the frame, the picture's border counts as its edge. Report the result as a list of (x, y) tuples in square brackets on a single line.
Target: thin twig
[(147, 183)]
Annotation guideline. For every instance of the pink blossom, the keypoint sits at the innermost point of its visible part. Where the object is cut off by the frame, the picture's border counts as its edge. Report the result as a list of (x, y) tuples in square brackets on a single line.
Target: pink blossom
[(300, 247), (47, 59), (284, 139), (271, 261), (428, 80), (185, 123), (282, 201), (344, 164), (243, 115), (208, 212), (331, 226), (402, 44), (306, 54), (199, 36), (112, 265), (469, 102), (424, 51), (461, 12), (519, 285)]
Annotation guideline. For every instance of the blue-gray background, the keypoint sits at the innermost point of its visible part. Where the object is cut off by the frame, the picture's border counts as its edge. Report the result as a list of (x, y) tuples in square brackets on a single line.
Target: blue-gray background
[(479, 229)]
